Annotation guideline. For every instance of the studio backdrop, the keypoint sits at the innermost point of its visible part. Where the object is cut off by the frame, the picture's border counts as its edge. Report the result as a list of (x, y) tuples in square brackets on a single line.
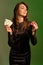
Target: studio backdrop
[(35, 12)]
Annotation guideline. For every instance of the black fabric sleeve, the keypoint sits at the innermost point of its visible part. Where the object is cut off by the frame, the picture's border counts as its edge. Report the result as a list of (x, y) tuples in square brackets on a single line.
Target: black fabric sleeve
[(33, 39), (11, 40)]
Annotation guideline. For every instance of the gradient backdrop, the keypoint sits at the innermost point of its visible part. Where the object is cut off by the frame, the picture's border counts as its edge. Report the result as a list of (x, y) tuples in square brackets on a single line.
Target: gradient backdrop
[(35, 13)]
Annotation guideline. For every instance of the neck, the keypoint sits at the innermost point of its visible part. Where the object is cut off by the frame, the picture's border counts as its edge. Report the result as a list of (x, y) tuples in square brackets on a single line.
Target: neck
[(20, 19)]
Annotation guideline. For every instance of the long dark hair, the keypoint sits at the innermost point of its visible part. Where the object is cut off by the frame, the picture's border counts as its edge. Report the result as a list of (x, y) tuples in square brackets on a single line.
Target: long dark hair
[(15, 13)]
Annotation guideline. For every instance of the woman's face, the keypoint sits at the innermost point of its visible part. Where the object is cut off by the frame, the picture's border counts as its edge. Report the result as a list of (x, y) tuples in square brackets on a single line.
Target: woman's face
[(22, 10)]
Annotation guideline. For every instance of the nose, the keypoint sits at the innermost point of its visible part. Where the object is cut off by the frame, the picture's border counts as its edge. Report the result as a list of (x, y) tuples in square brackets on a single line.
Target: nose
[(25, 10)]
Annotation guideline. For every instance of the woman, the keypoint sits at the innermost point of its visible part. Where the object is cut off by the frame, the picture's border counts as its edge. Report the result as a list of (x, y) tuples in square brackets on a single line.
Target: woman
[(19, 35)]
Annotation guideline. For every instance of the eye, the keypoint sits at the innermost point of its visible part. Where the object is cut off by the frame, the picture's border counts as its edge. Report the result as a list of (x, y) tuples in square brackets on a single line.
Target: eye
[(22, 7)]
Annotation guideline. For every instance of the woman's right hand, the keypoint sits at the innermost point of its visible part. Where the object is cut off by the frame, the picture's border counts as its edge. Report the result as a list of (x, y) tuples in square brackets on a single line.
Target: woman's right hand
[(8, 29)]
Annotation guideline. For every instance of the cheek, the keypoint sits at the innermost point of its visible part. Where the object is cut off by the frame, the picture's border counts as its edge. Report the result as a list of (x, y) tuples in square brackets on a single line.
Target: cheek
[(20, 11)]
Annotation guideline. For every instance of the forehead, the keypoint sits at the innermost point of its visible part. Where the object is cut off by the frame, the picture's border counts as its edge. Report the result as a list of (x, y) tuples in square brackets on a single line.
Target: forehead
[(22, 5)]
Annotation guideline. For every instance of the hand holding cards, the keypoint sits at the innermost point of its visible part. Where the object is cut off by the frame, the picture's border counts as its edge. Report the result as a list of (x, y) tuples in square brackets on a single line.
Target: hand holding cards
[(8, 22), (7, 25), (34, 24)]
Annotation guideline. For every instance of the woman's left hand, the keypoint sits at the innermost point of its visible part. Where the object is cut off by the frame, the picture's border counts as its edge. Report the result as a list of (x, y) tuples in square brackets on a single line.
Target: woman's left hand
[(34, 26)]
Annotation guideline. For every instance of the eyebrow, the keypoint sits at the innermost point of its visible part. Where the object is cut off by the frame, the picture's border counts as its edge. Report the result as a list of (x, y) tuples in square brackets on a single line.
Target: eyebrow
[(23, 6)]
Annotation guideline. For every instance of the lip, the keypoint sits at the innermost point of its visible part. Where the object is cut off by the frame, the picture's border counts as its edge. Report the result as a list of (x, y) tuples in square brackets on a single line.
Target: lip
[(24, 12)]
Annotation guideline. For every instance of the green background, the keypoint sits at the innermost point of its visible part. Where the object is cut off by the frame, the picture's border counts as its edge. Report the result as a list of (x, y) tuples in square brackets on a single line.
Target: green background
[(35, 13)]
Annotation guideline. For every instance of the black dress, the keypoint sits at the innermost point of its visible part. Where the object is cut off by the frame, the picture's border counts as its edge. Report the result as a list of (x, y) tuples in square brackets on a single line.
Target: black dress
[(20, 49)]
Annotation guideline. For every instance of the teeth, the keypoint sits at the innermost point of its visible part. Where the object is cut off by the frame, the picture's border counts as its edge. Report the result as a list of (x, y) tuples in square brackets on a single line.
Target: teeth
[(8, 22)]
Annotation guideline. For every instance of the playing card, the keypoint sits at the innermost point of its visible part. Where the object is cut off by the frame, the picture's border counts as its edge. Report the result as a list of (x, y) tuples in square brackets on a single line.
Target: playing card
[(8, 22)]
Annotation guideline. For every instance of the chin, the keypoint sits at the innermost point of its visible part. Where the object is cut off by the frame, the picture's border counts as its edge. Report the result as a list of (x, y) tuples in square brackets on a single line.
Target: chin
[(23, 15)]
